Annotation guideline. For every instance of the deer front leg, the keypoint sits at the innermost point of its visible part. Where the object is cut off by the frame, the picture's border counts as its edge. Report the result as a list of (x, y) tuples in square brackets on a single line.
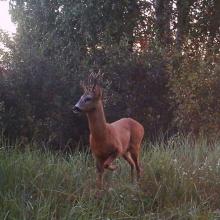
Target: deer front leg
[(112, 167), (109, 160), (106, 164), (100, 173)]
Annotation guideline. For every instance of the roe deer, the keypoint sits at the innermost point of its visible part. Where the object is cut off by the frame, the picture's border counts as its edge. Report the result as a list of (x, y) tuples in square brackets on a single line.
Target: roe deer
[(109, 140)]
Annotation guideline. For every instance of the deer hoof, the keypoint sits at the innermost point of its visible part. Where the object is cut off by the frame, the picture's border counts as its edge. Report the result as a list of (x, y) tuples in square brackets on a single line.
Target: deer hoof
[(112, 167)]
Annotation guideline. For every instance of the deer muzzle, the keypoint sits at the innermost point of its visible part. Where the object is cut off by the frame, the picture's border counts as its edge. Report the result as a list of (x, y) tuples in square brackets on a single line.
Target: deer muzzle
[(76, 109)]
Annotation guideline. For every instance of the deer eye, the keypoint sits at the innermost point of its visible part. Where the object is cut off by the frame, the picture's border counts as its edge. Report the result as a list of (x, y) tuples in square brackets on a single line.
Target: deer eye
[(87, 99)]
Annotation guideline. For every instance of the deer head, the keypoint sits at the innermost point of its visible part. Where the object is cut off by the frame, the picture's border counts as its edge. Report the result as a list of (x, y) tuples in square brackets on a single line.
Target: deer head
[(92, 94)]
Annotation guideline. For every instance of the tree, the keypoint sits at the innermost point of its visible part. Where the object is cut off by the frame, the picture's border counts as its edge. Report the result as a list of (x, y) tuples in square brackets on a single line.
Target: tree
[(143, 47)]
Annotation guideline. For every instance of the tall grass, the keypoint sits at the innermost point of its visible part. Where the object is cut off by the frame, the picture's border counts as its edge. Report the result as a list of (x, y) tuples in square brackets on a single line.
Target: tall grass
[(181, 180)]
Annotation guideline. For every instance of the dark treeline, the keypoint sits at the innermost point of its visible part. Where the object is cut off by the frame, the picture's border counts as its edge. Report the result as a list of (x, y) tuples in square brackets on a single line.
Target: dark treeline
[(160, 60)]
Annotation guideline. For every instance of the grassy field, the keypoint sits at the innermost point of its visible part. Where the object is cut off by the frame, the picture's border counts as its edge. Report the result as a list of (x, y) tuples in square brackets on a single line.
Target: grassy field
[(181, 181)]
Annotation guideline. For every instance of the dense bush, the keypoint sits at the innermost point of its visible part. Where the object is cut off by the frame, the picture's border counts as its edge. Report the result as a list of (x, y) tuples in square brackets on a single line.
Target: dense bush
[(196, 93)]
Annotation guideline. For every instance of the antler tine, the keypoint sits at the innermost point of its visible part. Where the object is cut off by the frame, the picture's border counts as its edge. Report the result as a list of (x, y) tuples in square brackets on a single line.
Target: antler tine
[(97, 76), (92, 80), (95, 79)]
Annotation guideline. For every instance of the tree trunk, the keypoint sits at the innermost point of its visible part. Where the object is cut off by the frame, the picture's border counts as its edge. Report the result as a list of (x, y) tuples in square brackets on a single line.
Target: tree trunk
[(163, 10)]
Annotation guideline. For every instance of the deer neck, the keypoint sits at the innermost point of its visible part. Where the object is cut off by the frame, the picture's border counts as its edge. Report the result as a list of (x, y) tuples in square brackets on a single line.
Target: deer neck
[(97, 122)]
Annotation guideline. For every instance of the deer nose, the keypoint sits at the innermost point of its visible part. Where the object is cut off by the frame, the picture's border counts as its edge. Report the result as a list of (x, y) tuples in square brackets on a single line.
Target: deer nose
[(76, 109)]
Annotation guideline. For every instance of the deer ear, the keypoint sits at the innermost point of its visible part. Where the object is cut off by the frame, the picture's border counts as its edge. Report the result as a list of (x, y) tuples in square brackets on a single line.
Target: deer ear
[(97, 91), (82, 86)]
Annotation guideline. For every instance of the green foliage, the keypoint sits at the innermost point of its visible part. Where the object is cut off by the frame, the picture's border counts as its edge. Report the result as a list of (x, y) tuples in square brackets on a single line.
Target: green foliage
[(139, 85), (153, 55), (180, 181), (195, 89)]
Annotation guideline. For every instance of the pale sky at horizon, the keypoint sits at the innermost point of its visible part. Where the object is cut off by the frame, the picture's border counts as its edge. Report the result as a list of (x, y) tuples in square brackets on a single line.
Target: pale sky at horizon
[(5, 18)]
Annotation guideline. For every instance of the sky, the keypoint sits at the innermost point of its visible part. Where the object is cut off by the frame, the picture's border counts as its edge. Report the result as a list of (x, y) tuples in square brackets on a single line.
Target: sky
[(5, 18)]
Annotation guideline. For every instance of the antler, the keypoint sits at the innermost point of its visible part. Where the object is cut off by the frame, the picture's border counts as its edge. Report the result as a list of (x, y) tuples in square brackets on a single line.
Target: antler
[(92, 81)]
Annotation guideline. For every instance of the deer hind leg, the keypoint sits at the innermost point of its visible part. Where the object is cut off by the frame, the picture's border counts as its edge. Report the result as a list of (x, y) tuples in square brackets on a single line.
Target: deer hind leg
[(134, 151), (127, 157)]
